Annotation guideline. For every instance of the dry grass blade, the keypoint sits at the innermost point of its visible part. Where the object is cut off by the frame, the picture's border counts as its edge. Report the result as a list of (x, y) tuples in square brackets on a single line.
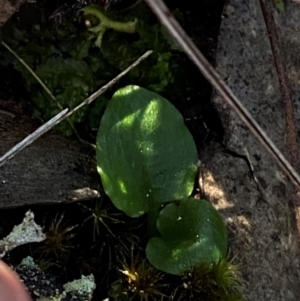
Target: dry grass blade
[(41, 83), (286, 97), (109, 84), (32, 137), (176, 31), (65, 114), (32, 73)]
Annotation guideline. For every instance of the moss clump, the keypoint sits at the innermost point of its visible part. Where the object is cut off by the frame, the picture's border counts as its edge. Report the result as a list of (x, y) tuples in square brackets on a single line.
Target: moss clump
[(218, 281)]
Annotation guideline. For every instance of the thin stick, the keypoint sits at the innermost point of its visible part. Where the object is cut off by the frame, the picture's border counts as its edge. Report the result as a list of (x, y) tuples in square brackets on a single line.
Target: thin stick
[(287, 98), (180, 36), (89, 99), (32, 137), (65, 114), (32, 73), (92, 97), (42, 84)]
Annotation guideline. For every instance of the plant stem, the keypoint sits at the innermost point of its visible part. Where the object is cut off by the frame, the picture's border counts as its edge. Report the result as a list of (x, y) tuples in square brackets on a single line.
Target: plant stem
[(106, 23)]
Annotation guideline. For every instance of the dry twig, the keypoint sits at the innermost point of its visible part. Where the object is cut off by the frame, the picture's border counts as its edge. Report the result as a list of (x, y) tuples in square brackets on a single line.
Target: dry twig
[(64, 114), (188, 46)]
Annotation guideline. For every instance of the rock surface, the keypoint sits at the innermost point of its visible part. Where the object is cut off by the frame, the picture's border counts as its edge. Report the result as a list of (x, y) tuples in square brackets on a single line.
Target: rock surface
[(53, 169), (8, 8), (244, 183)]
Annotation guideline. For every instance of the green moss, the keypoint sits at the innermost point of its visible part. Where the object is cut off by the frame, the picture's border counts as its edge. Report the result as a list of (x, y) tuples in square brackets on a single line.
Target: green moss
[(66, 60), (218, 281)]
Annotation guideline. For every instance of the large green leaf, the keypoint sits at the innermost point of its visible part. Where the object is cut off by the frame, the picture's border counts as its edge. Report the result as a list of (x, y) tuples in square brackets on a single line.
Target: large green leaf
[(192, 233), (145, 154)]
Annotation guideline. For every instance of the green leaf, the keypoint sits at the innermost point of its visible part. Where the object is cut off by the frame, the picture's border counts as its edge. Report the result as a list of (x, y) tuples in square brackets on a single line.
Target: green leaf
[(192, 233), (145, 154), (279, 5), (81, 50), (160, 74)]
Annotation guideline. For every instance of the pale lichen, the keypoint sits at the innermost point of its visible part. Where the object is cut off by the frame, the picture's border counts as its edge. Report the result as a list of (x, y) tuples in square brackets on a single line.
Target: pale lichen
[(26, 232), (43, 287)]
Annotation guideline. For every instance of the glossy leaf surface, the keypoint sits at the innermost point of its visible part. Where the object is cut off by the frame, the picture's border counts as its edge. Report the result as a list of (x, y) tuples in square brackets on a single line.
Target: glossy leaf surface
[(192, 233), (145, 154)]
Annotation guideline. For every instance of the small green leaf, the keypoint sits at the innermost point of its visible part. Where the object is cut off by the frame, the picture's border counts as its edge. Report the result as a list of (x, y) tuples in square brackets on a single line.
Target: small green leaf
[(279, 5), (161, 71), (81, 50), (192, 233), (145, 154)]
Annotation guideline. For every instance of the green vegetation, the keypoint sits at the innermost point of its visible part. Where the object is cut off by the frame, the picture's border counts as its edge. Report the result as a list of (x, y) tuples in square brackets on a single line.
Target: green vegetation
[(72, 66), (146, 157), (147, 161), (139, 280), (192, 233), (210, 282)]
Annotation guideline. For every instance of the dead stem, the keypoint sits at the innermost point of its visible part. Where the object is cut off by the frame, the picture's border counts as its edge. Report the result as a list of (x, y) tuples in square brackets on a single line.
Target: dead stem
[(287, 98), (188, 46)]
